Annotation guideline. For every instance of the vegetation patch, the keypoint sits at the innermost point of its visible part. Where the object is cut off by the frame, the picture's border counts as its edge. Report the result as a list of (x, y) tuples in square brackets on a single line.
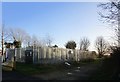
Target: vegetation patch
[(107, 71), (31, 69), (35, 68)]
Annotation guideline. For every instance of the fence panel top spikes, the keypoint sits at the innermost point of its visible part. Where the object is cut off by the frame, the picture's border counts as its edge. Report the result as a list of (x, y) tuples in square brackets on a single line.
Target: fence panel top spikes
[(50, 54)]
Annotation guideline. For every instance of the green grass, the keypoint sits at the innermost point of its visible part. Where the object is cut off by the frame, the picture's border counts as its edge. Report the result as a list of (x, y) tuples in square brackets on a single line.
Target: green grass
[(31, 69), (36, 68), (106, 70)]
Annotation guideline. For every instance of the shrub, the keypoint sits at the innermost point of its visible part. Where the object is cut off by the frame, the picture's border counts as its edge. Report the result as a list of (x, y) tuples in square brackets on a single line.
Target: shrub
[(115, 59)]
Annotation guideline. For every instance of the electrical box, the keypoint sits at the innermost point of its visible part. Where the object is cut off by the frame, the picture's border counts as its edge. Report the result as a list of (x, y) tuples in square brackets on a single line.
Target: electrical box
[(28, 56)]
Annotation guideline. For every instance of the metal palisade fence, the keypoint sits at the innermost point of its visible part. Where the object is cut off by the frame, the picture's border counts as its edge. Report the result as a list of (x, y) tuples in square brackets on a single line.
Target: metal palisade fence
[(50, 54)]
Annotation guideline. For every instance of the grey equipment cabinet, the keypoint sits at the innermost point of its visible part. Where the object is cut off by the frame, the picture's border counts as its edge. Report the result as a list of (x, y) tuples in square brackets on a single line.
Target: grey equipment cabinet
[(28, 56)]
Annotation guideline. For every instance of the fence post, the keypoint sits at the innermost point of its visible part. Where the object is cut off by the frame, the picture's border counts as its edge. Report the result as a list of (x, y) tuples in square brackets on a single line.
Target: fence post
[(38, 56), (20, 53)]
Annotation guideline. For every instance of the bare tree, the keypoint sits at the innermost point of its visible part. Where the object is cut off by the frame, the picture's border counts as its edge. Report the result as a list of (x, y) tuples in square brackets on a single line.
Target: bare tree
[(34, 40), (4, 36), (84, 44), (48, 40), (100, 45), (18, 34), (110, 13), (28, 40), (42, 42), (5, 33), (37, 41)]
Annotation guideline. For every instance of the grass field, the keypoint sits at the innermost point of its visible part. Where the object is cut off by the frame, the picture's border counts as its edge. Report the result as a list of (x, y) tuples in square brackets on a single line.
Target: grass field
[(31, 69), (107, 69)]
